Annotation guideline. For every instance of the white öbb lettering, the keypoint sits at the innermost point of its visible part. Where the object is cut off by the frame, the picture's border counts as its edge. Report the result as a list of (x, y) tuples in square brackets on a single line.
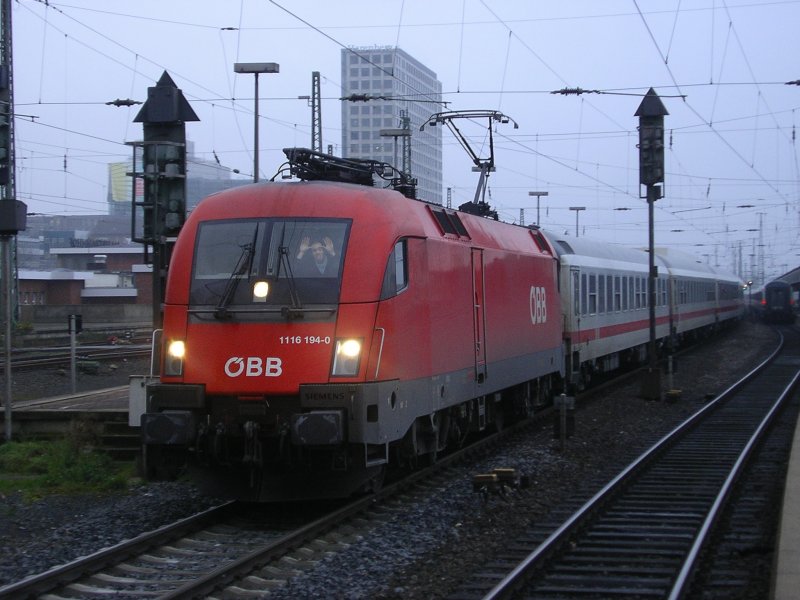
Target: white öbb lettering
[(538, 301), (254, 366)]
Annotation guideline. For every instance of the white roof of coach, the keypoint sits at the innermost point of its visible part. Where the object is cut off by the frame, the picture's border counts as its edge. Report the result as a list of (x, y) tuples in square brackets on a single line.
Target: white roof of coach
[(579, 246)]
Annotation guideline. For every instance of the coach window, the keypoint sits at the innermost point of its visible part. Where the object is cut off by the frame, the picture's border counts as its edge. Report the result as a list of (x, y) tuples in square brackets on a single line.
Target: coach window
[(395, 278), (617, 293), (631, 294), (584, 295), (624, 293), (610, 293), (592, 294), (641, 292), (601, 294), (576, 293)]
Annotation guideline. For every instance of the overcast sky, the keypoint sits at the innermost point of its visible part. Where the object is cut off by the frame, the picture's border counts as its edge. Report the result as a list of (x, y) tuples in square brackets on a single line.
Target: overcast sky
[(721, 68)]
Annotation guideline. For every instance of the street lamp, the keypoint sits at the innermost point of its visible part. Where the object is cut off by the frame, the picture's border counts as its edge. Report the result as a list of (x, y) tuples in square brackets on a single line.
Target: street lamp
[(256, 69), (577, 210), (538, 196)]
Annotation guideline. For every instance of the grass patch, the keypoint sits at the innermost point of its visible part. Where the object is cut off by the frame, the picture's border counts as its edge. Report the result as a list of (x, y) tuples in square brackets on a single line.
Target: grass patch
[(41, 468)]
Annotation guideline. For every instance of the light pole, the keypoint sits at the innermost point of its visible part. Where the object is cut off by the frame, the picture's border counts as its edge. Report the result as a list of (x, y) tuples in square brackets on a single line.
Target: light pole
[(577, 210), (538, 196), (256, 69)]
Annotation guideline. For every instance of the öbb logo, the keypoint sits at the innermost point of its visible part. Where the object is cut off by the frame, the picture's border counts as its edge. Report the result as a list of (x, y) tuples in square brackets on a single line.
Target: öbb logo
[(538, 302), (254, 366)]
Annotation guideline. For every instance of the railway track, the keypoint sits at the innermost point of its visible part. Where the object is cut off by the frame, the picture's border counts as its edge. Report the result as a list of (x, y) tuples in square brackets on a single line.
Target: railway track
[(271, 561), (228, 549), (50, 357), (644, 533), (173, 561)]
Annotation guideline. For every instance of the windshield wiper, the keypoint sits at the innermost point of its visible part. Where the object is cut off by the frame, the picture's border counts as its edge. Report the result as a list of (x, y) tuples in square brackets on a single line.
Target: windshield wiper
[(294, 311), (242, 266)]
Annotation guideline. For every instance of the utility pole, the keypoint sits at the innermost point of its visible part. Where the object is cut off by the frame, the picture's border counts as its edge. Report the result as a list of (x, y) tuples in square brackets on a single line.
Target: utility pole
[(761, 275), (13, 213), (316, 113)]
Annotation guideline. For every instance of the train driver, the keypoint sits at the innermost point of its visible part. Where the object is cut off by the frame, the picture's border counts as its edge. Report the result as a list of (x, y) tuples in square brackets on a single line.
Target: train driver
[(322, 253)]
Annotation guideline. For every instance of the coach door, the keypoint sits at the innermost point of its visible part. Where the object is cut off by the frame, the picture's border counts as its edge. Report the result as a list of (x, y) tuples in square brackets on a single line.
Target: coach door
[(479, 314)]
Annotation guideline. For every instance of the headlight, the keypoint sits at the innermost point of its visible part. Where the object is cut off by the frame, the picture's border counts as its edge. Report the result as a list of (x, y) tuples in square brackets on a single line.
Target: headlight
[(173, 360), (346, 357), (260, 291)]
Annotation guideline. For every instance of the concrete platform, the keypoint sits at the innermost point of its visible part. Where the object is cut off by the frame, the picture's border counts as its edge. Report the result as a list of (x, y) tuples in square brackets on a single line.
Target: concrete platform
[(786, 580)]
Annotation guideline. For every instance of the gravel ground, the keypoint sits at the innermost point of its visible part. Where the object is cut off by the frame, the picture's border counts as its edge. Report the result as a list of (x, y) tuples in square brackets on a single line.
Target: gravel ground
[(424, 548), (55, 381)]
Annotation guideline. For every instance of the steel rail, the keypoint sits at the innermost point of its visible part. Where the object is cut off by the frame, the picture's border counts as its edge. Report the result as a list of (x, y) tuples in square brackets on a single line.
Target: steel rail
[(683, 579), (517, 577), (36, 585)]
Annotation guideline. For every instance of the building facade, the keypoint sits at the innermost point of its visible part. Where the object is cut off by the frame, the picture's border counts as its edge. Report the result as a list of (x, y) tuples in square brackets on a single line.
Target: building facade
[(203, 178), (383, 87)]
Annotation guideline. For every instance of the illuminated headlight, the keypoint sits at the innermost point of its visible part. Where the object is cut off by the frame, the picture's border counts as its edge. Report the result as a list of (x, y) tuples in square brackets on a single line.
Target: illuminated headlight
[(346, 357), (173, 360), (260, 291)]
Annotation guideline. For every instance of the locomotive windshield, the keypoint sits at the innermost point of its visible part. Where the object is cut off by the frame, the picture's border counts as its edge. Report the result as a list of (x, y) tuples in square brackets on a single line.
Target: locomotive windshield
[(252, 264)]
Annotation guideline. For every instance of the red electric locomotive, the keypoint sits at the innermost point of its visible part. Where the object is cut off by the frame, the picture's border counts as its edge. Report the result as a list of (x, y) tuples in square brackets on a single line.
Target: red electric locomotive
[(315, 332)]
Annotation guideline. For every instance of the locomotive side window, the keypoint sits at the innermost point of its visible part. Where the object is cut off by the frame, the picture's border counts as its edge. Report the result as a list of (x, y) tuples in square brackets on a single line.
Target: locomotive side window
[(395, 278)]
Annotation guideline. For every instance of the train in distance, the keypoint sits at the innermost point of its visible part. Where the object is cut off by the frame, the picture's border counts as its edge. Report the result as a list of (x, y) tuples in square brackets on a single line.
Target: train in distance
[(776, 302)]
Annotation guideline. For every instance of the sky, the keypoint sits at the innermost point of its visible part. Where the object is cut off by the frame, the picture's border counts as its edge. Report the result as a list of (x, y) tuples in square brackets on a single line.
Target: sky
[(722, 68)]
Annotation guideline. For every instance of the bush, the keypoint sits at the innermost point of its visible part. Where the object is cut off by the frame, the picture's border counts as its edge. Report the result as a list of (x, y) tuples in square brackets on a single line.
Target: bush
[(41, 468)]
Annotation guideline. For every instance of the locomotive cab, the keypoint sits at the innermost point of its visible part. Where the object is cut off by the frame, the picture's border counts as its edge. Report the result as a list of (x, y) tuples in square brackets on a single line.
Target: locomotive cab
[(262, 319)]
